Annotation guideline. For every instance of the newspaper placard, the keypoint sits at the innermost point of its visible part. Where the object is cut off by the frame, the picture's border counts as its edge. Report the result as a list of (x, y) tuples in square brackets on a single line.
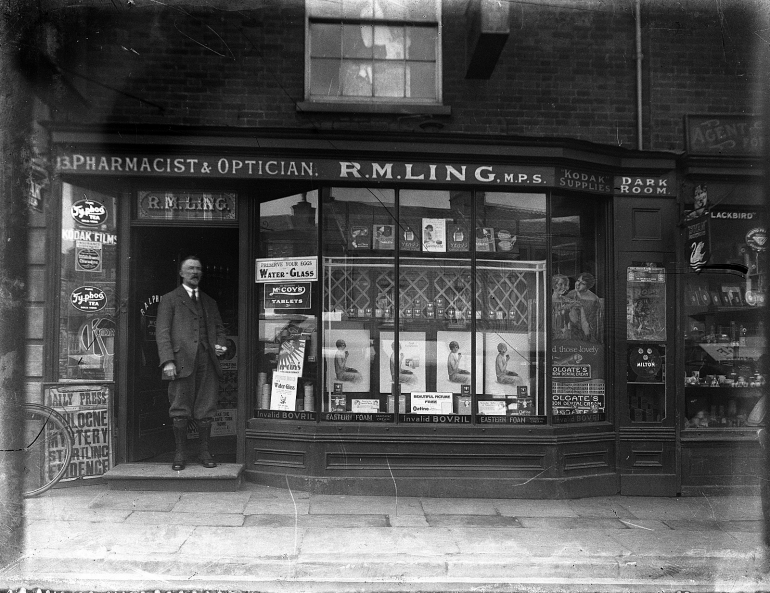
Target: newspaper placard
[(87, 409)]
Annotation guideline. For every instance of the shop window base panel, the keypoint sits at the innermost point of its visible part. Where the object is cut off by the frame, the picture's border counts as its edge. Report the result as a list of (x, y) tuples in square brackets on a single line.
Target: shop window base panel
[(449, 487)]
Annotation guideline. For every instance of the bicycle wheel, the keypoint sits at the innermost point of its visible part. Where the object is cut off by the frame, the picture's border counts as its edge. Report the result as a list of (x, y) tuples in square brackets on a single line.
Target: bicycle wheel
[(47, 449)]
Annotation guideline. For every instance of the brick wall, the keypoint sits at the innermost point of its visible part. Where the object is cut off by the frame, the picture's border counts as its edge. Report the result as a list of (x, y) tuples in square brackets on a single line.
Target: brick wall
[(565, 72)]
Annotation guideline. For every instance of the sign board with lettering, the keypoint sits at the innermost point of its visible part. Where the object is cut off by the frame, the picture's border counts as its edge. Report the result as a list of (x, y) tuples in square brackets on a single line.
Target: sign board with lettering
[(283, 395), (281, 269), (269, 167), (88, 411), (724, 135), (187, 205), (287, 295), (431, 403), (645, 185)]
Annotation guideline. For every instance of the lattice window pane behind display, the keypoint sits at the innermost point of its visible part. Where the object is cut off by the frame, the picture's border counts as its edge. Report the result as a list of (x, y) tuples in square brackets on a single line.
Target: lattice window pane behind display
[(507, 294), (454, 285), (415, 286), (386, 289), (346, 288)]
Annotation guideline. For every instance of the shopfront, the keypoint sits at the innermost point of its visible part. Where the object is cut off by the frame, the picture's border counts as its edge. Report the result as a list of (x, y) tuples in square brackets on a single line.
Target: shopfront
[(450, 320), (724, 305)]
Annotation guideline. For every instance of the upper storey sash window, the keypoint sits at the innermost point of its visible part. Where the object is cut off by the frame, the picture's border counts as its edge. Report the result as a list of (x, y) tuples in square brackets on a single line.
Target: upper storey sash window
[(373, 51)]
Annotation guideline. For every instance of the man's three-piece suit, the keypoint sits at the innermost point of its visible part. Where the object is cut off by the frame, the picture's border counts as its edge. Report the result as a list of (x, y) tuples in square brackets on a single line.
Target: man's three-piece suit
[(186, 333)]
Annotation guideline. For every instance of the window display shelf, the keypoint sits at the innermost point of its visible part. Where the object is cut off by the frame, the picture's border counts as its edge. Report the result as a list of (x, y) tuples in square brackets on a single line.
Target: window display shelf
[(727, 392)]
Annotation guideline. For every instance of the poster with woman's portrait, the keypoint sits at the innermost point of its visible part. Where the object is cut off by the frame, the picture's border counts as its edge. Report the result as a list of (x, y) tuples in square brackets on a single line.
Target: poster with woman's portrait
[(577, 321), (506, 363), (348, 355), (408, 367), (454, 361)]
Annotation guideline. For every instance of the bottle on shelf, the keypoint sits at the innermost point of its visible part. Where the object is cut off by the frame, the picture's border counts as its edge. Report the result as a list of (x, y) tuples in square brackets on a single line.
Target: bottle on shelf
[(430, 310), (492, 312), (440, 307)]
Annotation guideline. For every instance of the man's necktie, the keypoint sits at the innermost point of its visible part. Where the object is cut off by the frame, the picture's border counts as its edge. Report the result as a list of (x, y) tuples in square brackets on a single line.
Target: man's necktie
[(195, 296)]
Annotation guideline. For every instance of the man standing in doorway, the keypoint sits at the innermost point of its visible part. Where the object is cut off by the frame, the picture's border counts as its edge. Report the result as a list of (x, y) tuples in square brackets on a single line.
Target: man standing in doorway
[(190, 336)]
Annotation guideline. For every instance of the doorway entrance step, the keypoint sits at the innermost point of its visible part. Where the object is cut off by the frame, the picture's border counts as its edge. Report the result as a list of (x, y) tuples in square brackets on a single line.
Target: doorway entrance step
[(225, 477)]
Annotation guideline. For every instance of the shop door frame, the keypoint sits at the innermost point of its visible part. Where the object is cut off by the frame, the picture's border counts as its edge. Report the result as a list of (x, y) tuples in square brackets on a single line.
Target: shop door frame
[(126, 225)]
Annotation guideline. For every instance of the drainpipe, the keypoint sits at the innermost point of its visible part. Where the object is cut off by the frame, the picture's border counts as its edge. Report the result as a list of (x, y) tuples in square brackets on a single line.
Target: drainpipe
[(639, 58)]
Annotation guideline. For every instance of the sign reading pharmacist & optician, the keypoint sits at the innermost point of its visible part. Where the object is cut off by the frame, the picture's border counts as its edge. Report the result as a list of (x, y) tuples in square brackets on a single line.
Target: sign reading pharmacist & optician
[(324, 169)]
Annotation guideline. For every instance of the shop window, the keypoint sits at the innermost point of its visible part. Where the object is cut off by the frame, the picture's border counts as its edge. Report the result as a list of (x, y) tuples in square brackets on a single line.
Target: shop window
[(287, 293), (726, 361), (646, 335), (360, 232), (88, 274), (578, 309), (373, 51), (460, 332), (510, 244)]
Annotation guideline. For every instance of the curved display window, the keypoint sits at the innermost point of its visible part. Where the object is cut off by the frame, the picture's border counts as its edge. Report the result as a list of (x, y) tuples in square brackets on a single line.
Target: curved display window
[(431, 306)]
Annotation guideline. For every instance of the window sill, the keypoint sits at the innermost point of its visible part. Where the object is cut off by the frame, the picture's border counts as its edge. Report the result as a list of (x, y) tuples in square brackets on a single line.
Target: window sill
[(386, 108)]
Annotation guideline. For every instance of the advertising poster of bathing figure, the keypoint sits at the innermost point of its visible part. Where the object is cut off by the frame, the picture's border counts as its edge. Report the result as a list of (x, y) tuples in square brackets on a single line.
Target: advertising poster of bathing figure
[(506, 362), (348, 360), (578, 335), (453, 361), (408, 367)]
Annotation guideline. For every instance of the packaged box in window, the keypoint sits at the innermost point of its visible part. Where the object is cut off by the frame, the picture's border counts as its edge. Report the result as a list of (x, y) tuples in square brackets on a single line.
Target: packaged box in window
[(339, 402), (464, 405), (401, 404), (365, 406), (492, 408)]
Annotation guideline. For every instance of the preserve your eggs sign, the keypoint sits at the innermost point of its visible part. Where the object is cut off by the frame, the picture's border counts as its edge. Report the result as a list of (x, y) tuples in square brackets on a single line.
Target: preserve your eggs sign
[(278, 269)]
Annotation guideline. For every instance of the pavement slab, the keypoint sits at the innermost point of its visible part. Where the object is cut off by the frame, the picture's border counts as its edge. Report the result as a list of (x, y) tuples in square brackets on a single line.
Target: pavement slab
[(276, 506), (685, 544), (534, 508), (459, 506), (345, 505), (487, 521), (602, 506), (346, 521), (377, 541), (584, 523), (178, 518), (542, 543), (212, 502), (135, 500), (241, 543)]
